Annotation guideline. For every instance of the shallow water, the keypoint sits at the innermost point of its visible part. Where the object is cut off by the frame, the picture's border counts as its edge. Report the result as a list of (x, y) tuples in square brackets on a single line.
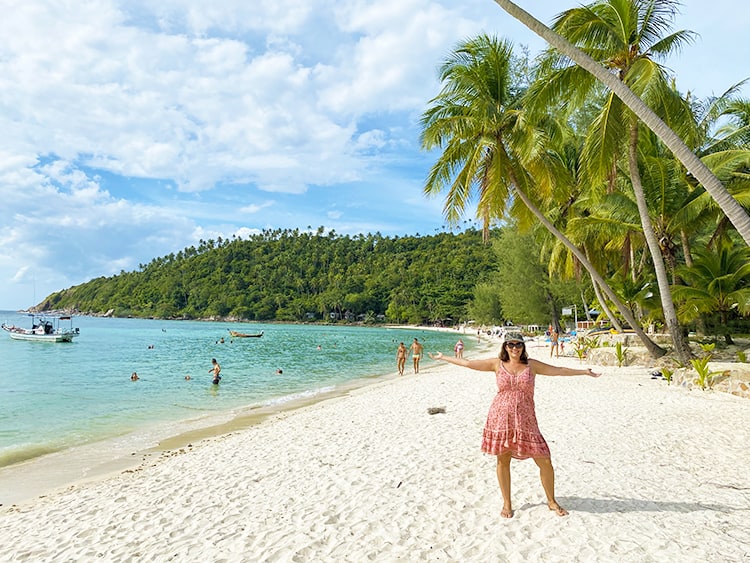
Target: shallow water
[(55, 396)]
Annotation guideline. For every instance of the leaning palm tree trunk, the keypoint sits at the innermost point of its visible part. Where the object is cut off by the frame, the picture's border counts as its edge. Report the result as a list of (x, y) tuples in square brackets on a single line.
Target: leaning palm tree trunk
[(654, 349), (681, 347), (731, 208), (585, 306), (602, 302)]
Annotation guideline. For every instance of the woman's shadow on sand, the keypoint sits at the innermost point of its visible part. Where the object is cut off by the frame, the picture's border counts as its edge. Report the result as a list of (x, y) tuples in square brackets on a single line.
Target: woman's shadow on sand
[(619, 504)]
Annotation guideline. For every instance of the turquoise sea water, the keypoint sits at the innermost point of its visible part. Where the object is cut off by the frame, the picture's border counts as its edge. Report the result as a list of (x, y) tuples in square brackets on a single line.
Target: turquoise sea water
[(55, 396)]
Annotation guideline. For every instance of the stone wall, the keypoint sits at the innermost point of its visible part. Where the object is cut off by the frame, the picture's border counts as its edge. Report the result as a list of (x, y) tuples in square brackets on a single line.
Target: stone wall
[(730, 377)]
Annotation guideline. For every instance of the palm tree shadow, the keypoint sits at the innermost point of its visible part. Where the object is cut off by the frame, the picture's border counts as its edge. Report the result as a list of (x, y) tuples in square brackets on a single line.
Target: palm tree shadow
[(619, 504)]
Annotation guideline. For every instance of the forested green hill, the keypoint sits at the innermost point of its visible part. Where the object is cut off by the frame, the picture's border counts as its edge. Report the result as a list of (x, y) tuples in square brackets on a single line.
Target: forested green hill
[(286, 275)]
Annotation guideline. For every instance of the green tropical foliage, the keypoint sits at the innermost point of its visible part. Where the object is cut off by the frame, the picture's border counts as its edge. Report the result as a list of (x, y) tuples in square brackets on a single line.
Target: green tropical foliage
[(735, 213), (627, 37), (718, 288), (706, 376), (495, 153), (475, 121), (485, 307), (285, 275), (527, 291), (614, 200)]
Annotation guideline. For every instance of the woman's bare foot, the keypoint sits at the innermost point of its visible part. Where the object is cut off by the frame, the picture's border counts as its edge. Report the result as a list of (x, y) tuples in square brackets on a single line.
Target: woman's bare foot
[(506, 512), (556, 508)]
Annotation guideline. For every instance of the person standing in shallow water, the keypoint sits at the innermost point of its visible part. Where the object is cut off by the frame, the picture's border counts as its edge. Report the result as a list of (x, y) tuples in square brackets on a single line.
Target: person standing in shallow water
[(511, 430), (458, 349), (216, 371)]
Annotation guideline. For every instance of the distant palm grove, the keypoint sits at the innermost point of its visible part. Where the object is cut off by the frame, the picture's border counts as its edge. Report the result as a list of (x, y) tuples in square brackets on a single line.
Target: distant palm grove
[(285, 275)]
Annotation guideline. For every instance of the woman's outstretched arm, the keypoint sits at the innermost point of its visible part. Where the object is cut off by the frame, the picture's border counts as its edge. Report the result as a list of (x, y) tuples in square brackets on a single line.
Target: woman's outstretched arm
[(541, 368), (487, 364)]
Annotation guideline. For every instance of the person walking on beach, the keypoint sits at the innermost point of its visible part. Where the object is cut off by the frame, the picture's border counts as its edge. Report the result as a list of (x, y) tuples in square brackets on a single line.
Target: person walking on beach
[(216, 371), (554, 339), (416, 353), (511, 430), (401, 353)]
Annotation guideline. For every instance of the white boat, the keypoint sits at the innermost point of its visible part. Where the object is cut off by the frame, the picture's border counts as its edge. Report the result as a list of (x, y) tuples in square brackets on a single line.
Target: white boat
[(43, 329)]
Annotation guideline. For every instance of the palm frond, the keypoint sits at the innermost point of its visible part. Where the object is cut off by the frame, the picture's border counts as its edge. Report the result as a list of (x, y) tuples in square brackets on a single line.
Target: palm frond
[(724, 164), (603, 140), (565, 88), (672, 44)]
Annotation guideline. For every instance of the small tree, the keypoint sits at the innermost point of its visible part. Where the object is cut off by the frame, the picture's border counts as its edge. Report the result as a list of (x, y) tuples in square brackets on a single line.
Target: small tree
[(717, 284)]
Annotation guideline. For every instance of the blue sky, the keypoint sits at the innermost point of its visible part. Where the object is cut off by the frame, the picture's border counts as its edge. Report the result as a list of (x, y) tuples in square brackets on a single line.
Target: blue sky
[(131, 129)]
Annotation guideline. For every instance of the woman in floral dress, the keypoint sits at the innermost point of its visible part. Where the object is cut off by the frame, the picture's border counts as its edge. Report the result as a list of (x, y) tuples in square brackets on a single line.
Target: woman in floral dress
[(511, 430)]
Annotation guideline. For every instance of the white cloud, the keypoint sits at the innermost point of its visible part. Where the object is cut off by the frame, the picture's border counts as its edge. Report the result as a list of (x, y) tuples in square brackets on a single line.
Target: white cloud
[(256, 207), (373, 139), (20, 275), (155, 102), (245, 232), (236, 16)]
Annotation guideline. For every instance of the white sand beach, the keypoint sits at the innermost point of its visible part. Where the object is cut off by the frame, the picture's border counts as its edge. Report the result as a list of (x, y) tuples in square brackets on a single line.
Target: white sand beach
[(649, 472)]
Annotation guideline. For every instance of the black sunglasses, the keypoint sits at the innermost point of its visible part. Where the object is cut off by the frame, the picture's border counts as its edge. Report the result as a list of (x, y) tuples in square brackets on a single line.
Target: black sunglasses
[(514, 344)]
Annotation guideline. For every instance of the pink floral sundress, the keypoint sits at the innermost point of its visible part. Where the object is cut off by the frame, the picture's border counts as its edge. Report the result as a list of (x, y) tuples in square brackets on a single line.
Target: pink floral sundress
[(511, 423)]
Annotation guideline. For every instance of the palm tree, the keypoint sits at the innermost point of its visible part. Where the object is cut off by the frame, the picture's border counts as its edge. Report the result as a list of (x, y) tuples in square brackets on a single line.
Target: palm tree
[(476, 77), (731, 208), (566, 199), (723, 144), (478, 123), (638, 294), (718, 284), (611, 221), (625, 36)]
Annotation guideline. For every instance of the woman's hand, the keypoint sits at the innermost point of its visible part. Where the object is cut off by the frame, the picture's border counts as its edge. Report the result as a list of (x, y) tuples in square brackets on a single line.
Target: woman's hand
[(436, 356), (592, 373)]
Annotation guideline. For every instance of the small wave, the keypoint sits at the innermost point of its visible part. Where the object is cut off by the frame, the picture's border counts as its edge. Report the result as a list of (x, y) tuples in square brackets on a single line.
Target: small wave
[(301, 395), (194, 408)]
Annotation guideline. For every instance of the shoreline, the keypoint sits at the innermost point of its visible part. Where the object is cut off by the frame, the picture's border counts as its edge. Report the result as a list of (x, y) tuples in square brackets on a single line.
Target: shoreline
[(34, 470), (54, 471), (21, 482), (40, 476), (643, 468)]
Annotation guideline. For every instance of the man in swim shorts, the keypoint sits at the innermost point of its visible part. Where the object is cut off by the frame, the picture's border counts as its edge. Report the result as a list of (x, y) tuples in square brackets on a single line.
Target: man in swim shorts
[(416, 354)]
